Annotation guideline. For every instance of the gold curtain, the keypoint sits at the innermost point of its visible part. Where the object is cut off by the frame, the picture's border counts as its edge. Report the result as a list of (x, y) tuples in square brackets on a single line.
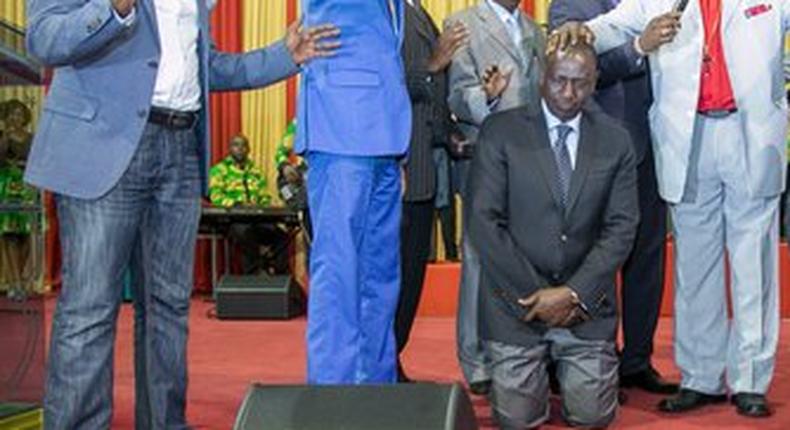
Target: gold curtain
[(441, 9), (13, 12), (263, 112)]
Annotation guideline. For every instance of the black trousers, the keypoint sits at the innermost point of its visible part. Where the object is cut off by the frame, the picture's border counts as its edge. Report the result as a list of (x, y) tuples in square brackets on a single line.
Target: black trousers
[(250, 237), (415, 245), (643, 274)]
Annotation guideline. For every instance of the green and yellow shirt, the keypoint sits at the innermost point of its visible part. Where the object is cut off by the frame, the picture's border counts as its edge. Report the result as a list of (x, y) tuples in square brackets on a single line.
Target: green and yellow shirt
[(231, 185), (14, 190)]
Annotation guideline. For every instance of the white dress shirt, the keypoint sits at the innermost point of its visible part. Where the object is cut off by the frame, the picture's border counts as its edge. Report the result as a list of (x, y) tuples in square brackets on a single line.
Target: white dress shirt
[(177, 81), (510, 20), (552, 122)]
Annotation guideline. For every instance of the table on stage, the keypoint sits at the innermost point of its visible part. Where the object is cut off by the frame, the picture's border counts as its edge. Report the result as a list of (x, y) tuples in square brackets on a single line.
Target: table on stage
[(215, 222)]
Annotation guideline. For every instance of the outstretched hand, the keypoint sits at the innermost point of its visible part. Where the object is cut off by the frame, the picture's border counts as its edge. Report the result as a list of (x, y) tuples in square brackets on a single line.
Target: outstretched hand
[(495, 81), (451, 40), (304, 44)]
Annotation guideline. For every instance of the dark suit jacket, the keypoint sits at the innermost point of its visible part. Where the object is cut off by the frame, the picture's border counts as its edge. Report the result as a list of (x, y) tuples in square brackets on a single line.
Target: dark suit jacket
[(624, 82), (428, 93), (526, 242)]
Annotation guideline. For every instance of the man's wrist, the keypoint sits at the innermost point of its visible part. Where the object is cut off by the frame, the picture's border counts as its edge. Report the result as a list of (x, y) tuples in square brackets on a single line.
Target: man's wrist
[(577, 300), (638, 46), (125, 19)]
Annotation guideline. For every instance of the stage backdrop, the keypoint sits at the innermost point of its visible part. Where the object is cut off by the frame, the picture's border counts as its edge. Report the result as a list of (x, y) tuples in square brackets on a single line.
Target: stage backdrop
[(262, 115)]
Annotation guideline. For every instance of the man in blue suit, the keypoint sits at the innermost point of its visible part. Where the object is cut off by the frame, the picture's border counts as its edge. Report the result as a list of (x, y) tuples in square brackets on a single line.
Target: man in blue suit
[(624, 93), (354, 124), (123, 144)]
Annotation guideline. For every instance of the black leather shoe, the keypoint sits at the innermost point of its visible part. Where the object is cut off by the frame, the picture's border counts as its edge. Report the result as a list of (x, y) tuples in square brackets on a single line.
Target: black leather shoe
[(687, 400), (751, 405), (480, 388), (649, 380)]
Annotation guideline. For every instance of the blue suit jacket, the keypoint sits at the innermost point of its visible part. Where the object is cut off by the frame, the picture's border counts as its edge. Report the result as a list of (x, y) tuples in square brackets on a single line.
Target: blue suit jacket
[(356, 102), (97, 107), (624, 82)]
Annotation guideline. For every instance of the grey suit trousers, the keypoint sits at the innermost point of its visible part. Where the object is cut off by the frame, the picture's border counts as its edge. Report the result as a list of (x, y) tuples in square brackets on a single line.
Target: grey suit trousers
[(471, 351), (587, 373), (718, 213)]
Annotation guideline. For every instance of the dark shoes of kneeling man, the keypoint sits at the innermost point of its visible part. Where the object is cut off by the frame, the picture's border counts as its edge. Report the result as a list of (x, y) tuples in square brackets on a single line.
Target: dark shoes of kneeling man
[(747, 404)]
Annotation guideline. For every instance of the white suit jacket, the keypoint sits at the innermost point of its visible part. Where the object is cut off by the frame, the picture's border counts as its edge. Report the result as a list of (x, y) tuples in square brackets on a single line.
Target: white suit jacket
[(753, 38)]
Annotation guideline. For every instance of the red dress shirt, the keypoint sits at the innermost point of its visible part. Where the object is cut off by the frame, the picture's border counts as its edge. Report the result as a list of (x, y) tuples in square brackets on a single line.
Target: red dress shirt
[(715, 87)]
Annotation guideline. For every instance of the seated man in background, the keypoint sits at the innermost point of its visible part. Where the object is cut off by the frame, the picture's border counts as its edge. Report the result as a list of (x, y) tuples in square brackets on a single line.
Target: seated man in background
[(236, 182), (16, 268), (553, 211)]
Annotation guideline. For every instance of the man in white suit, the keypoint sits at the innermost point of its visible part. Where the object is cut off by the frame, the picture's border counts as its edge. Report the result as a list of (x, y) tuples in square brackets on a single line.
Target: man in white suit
[(718, 125)]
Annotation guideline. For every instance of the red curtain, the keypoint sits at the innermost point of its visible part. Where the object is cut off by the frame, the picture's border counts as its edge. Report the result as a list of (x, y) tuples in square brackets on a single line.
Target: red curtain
[(529, 7), (225, 117)]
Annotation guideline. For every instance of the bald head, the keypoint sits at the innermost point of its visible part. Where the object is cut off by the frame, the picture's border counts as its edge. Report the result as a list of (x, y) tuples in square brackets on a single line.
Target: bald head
[(569, 79)]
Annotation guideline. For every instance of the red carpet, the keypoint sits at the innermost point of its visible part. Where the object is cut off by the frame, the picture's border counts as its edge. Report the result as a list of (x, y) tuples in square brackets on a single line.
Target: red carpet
[(226, 356)]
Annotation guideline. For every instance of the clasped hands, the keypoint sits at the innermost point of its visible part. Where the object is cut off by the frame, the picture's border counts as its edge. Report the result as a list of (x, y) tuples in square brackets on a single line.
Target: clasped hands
[(555, 306)]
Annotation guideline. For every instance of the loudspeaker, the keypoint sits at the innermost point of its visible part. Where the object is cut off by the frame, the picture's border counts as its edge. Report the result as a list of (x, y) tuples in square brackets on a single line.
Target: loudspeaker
[(422, 406), (259, 297)]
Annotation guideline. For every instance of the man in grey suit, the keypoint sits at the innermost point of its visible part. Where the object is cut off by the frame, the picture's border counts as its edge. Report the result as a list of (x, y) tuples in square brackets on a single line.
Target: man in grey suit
[(426, 55), (498, 70), (624, 93), (553, 211)]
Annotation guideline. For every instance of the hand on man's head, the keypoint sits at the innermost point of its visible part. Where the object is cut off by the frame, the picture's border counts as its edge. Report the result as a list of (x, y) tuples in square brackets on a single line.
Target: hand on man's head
[(570, 33)]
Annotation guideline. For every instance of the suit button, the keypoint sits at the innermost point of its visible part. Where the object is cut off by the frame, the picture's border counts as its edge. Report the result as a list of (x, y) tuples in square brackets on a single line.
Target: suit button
[(555, 277), (142, 113), (564, 238), (153, 64)]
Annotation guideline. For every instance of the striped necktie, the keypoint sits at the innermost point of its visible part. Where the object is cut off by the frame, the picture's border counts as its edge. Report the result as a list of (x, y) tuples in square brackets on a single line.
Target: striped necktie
[(563, 159)]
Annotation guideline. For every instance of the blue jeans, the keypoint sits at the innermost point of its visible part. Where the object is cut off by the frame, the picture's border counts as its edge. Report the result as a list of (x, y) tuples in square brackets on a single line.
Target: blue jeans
[(355, 204), (149, 218)]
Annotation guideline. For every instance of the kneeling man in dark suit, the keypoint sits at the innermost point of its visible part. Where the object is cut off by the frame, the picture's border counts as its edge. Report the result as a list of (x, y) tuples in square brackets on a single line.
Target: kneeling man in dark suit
[(553, 212)]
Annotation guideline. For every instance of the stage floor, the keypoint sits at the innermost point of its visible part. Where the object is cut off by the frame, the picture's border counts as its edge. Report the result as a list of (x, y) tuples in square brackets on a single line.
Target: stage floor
[(225, 356)]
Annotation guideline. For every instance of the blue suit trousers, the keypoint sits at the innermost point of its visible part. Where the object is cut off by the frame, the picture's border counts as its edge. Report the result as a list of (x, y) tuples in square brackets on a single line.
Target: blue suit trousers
[(355, 203)]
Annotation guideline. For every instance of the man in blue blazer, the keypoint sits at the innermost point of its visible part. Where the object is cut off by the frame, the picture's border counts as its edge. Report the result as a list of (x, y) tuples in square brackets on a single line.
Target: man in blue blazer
[(123, 144), (624, 93), (354, 124)]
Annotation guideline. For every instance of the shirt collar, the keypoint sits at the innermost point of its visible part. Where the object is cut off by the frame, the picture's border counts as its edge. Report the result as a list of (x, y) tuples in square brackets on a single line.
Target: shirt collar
[(503, 13), (552, 121)]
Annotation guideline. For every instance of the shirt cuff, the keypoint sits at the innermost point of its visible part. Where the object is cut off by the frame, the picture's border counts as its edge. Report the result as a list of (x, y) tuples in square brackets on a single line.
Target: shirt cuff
[(579, 301), (493, 103), (127, 20)]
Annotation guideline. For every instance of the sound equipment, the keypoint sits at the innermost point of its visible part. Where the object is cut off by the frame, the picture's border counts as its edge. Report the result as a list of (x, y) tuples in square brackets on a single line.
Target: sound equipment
[(421, 406), (259, 297), (217, 215)]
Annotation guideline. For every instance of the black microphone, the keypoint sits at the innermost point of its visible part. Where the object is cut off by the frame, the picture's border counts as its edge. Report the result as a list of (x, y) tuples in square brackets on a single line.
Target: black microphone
[(680, 5)]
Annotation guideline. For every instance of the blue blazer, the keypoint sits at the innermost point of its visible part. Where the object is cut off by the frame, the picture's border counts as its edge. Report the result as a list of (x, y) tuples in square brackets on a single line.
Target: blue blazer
[(356, 102), (97, 107)]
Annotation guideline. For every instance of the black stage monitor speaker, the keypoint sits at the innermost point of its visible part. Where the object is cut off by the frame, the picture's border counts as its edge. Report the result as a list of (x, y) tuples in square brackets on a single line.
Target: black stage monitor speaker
[(422, 406), (259, 297)]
